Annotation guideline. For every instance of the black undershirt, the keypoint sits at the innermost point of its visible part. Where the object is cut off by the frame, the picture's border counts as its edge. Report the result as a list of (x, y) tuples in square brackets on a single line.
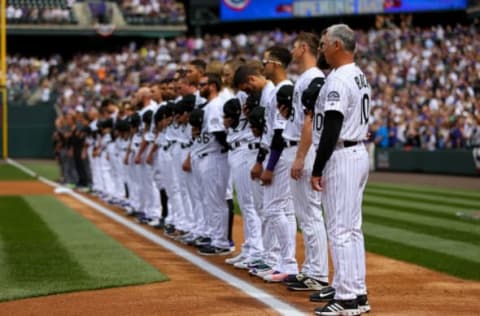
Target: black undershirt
[(331, 131)]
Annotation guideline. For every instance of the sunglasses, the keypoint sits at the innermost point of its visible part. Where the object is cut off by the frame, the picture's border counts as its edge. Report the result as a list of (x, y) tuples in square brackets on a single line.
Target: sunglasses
[(202, 84), (269, 61)]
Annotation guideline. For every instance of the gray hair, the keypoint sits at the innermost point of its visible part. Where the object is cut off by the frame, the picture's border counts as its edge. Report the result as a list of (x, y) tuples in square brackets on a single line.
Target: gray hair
[(344, 34)]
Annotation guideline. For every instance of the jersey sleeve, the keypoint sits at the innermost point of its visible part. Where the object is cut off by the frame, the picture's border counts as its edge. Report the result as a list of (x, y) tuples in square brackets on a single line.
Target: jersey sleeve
[(336, 97)]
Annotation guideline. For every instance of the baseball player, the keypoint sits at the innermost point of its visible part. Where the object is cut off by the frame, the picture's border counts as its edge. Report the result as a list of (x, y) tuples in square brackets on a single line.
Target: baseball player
[(250, 79), (341, 166), (213, 166), (278, 204), (299, 152), (242, 154)]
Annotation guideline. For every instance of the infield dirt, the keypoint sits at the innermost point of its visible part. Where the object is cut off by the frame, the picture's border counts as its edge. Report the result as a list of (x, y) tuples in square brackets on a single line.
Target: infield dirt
[(395, 288)]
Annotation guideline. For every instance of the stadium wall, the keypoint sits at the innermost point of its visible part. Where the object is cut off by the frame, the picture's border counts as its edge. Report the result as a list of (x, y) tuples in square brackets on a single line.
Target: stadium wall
[(30, 131), (449, 161)]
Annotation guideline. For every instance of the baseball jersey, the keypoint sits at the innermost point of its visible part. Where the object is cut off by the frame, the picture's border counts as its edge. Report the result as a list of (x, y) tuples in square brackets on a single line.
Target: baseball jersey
[(199, 100), (212, 122), (226, 94), (241, 133), (185, 134), (274, 119), (347, 91), (294, 125)]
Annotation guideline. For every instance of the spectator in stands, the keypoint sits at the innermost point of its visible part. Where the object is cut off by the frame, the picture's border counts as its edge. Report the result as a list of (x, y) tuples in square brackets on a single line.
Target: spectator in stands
[(421, 78)]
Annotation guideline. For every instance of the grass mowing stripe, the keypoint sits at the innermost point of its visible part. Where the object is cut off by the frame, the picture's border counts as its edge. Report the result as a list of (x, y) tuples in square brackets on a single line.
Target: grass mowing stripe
[(467, 227), (415, 207), (8, 172), (98, 251), (467, 194), (425, 198), (95, 260), (46, 169), (458, 249), (33, 254), (426, 257), (444, 233)]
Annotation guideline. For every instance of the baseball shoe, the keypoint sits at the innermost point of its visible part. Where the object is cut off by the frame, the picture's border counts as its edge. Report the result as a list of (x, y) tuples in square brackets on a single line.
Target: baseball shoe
[(84, 189), (275, 277), (184, 234), (301, 282), (235, 259), (261, 271), (246, 264), (255, 263), (203, 241), (188, 239), (210, 250), (363, 305), (339, 308), (154, 222), (324, 295), (129, 211), (141, 218)]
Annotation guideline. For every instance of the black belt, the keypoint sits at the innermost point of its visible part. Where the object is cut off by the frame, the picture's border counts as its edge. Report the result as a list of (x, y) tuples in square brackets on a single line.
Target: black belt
[(186, 145), (254, 146), (348, 143), (234, 145), (290, 143)]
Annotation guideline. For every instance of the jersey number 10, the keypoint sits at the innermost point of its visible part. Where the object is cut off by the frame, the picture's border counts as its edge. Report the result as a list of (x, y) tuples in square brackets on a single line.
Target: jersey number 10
[(365, 115)]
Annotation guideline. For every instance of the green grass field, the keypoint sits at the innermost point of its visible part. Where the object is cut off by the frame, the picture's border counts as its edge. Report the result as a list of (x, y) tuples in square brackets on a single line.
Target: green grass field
[(412, 223), (8, 172), (47, 248), (421, 225)]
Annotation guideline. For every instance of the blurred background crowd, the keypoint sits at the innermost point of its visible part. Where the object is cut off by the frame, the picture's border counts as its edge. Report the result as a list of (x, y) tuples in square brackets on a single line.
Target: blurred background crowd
[(425, 80)]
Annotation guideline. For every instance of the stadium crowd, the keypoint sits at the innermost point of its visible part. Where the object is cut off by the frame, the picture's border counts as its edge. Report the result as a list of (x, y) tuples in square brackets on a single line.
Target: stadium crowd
[(424, 81), (40, 12), (152, 11)]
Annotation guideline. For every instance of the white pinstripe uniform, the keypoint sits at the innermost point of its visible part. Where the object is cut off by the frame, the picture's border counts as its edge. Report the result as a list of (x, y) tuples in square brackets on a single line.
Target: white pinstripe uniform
[(148, 189), (306, 201), (122, 145), (134, 194), (177, 210), (241, 157), (226, 94), (166, 178), (105, 166), (185, 180), (113, 151), (277, 199), (200, 227), (213, 168), (347, 91)]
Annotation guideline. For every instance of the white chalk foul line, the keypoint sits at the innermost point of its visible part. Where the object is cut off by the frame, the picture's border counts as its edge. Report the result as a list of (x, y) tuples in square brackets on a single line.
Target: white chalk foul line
[(258, 294)]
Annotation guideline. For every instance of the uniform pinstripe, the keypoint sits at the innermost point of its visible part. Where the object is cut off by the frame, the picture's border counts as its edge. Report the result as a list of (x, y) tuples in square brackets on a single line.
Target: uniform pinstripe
[(306, 201), (345, 176)]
